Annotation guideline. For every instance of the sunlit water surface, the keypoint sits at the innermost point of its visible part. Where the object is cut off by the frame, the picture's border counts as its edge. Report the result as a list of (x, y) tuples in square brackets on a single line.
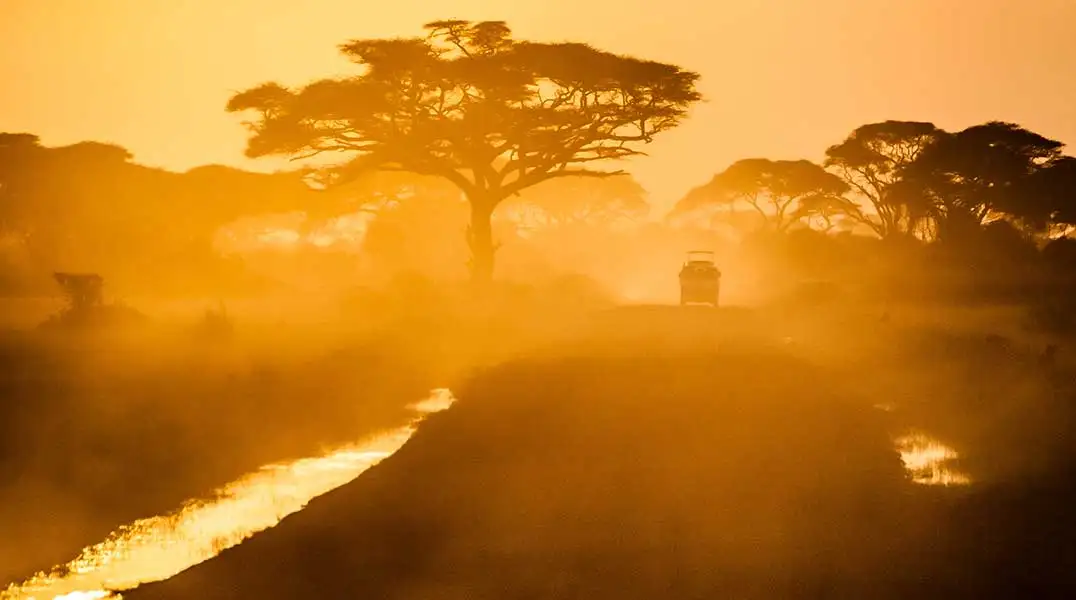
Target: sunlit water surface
[(930, 461), (160, 547)]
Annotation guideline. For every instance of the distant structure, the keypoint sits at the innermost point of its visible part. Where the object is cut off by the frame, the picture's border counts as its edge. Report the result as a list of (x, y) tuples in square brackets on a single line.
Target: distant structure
[(85, 291), (700, 280)]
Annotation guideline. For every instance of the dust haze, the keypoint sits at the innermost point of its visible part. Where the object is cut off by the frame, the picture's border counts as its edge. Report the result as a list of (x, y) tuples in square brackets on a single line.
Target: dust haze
[(166, 333)]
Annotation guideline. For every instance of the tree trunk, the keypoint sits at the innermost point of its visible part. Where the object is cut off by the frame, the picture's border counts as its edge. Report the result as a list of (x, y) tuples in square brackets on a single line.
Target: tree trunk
[(480, 239)]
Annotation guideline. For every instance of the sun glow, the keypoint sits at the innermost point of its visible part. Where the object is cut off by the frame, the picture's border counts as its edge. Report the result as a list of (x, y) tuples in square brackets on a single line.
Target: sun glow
[(160, 547)]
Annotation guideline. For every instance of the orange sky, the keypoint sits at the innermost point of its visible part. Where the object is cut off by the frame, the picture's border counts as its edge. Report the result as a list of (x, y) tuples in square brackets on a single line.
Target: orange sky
[(784, 78)]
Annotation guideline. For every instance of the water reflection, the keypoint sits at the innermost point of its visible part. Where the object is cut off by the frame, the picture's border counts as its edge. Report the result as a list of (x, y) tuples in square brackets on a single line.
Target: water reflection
[(158, 548), (928, 460)]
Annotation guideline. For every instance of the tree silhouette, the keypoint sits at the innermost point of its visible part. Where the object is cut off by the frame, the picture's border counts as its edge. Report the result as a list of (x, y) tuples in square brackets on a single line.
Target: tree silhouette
[(827, 209), (584, 201), (1053, 188), (89, 206), (224, 194), (417, 230), (979, 173), (62, 202), (492, 114), (20, 155), (776, 189), (872, 159), (378, 191)]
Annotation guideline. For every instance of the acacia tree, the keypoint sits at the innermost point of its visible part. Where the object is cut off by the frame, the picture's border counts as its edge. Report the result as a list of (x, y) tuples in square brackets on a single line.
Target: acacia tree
[(469, 103), (1053, 188), (773, 188), (584, 201), (871, 160), (982, 173), (827, 209), (21, 155), (377, 191)]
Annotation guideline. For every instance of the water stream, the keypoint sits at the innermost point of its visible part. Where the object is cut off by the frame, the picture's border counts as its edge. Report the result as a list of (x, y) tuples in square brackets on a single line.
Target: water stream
[(929, 461), (157, 548)]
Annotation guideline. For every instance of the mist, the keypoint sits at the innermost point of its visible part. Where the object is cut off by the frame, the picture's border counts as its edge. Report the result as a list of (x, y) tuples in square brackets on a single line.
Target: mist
[(901, 304)]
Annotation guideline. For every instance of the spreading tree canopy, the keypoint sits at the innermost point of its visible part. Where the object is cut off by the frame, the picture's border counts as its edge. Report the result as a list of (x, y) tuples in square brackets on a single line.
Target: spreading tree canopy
[(469, 103), (1053, 189), (588, 201), (982, 172), (781, 191), (872, 160)]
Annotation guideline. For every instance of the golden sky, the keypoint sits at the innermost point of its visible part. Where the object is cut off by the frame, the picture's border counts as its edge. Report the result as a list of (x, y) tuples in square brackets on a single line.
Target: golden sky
[(784, 78)]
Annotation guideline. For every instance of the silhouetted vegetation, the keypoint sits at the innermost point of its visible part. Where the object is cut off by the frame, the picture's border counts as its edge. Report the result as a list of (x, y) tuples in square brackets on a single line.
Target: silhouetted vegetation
[(977, 215), (491, 114), (657, 466), (981, 213), (86, 306), (598, 450), (88, 207)]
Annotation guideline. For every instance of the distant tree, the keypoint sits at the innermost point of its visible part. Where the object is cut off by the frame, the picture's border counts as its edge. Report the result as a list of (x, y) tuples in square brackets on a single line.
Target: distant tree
[(871, 160), (1060, 255), (379, 191), (56, 199), (1053, 188), (775, 189), (981, 173), (90, 206), (220, 194), (20, 157), (90, 155), (469, 103), (584, 201), (419, 230), (828, 210), (15, 141), (1003, 239)]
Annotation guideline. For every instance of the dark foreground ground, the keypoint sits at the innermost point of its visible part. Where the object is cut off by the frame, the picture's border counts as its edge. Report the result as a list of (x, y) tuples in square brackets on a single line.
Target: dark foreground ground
[(664, 463), (102, 426), (98, 433), (717, 473), (643, 452)]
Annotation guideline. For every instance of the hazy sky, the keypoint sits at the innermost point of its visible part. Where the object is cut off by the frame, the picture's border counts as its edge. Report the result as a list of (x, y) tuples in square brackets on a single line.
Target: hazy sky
[(783, 78)]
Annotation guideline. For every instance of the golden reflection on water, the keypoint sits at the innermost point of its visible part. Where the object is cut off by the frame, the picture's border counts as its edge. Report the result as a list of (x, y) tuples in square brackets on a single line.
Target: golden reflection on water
[(160, 547), (927, 460)]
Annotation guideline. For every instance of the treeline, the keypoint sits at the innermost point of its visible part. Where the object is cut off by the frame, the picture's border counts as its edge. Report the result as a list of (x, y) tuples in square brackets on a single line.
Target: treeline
[(492, 155), (983, 211), (90, 207), (907, 179), (985, 207)]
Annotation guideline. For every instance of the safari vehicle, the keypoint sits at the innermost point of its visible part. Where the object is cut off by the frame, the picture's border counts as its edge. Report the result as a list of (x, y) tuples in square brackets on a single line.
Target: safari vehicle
[(700, 280)]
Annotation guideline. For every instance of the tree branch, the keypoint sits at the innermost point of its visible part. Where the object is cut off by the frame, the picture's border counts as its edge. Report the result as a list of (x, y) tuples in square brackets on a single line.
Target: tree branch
[(535, 178)]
